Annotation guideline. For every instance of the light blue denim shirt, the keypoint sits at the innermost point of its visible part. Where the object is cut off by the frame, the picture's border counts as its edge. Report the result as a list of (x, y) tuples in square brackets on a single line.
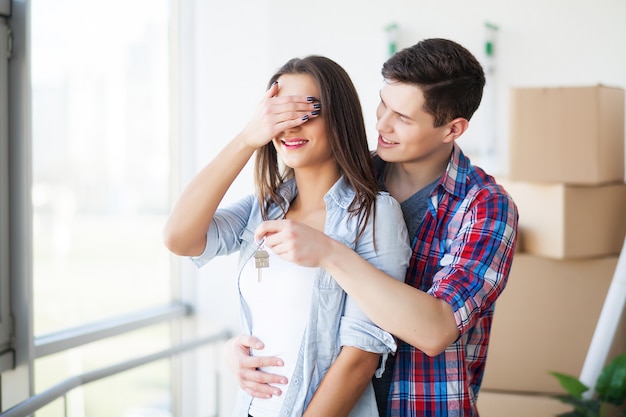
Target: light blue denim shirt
[(335, 319)]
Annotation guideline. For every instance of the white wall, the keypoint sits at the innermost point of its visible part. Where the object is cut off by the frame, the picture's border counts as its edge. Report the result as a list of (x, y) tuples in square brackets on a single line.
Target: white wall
[(238, 44)]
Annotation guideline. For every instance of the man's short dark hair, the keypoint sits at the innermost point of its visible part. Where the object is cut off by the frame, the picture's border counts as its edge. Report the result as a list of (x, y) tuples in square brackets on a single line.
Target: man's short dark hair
[(450, 77)]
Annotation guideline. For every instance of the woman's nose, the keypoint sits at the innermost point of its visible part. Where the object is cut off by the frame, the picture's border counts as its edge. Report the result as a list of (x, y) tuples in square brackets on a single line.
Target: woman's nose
[(290, 131)]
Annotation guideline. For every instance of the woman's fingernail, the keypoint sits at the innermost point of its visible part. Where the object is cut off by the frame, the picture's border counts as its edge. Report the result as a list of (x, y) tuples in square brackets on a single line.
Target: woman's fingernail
[(305, 117), (317, 106), (315, 112), (311, 98)]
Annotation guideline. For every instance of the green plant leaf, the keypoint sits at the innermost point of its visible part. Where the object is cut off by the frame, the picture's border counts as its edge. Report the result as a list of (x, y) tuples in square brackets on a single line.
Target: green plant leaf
[(571, 384), (611, 384)]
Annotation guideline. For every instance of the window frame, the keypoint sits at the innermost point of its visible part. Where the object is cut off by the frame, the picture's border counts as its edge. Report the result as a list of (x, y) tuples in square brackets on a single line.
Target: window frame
[(17, 382), (6, 354), (5, 7)]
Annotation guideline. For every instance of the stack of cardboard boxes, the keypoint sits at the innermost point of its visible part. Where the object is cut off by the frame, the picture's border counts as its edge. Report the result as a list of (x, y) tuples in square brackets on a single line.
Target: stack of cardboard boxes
[(566, 175)]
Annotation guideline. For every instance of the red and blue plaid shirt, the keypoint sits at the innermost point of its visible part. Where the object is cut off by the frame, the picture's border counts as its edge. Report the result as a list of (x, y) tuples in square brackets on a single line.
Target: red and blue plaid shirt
[(462, 253)]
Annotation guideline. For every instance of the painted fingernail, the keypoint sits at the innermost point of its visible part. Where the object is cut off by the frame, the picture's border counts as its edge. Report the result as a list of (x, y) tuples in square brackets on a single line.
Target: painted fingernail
[(315, 112), (317, 106), (305, 117), (274, 83), (311, 98)]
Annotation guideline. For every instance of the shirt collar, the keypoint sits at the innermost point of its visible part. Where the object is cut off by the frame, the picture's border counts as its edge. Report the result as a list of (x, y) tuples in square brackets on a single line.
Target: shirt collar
[(340, 193), (454, 180)]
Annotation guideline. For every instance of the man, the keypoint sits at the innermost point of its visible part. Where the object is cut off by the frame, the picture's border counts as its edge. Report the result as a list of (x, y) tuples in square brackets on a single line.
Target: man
[(463, 231)]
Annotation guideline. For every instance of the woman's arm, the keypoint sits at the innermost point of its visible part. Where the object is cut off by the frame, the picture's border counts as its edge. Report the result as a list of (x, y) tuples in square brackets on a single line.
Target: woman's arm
[(185, 231), (343, 384)]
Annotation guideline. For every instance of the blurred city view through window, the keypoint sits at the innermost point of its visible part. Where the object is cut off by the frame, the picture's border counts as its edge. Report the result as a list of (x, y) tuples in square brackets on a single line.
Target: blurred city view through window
[(100, 192)]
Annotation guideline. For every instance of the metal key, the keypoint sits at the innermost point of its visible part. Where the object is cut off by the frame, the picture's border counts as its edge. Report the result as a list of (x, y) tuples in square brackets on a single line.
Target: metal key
[(261, 260)]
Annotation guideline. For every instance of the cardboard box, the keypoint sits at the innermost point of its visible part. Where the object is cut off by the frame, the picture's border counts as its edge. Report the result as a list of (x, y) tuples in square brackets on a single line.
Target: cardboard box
[(562, 221), (545, 320), (494, 404), (512, 404), (571, 135)]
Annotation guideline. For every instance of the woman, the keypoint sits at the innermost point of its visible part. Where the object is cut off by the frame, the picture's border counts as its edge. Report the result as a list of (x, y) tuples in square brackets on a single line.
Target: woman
[(324, 179)]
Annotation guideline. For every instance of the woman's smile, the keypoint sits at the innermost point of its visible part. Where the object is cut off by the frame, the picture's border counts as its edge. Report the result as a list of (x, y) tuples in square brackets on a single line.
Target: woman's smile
[(294, 143)]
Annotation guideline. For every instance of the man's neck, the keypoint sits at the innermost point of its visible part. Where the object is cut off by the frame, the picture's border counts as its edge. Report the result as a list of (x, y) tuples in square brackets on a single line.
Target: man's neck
[(403, 179)]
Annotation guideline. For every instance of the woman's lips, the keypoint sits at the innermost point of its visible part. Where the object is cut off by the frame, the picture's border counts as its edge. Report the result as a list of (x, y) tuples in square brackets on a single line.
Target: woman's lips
[(294, 143)]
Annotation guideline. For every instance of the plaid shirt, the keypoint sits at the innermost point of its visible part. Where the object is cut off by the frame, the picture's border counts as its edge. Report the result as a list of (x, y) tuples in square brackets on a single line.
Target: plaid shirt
[(462, 253)]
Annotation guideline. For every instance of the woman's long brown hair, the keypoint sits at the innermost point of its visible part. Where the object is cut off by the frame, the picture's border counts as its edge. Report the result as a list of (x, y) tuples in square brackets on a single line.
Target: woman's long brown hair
[(343, 118)]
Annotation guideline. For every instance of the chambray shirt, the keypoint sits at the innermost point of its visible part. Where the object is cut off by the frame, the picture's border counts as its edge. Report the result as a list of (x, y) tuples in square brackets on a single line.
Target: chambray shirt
[(462, 254), (335, 320)]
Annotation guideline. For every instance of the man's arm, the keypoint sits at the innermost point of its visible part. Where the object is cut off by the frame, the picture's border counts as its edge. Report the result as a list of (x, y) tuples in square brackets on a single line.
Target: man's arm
[(480, 261), (406, 312), (343, 384), (429, 323)]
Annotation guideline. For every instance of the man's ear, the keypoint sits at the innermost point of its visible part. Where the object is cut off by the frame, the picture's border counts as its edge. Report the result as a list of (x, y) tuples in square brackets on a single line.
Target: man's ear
[(456, 128)]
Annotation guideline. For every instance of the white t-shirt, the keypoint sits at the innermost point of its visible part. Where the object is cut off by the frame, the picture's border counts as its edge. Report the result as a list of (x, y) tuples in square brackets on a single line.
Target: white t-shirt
[(279, 307)]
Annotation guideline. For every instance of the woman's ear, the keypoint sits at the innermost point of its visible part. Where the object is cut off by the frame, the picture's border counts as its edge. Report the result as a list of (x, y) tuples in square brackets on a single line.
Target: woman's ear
[(456, 128)]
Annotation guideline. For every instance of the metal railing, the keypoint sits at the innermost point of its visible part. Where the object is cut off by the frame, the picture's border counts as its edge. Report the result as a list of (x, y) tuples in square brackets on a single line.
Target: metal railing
[(112, 326), (85, 334)]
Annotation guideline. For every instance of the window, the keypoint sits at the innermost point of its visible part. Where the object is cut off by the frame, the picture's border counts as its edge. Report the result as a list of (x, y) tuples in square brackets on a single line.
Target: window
[(100, 158), (89, 179), (100, 192)]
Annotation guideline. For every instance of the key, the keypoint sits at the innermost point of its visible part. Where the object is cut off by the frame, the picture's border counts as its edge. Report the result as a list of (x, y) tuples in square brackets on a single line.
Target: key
[(261, 260)]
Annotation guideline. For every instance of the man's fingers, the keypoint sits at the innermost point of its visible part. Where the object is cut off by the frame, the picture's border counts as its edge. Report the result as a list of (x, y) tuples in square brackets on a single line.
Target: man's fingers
[(262, 391), (253, 362), (256, 394), (253, 378), (257, 383), (246, 340)]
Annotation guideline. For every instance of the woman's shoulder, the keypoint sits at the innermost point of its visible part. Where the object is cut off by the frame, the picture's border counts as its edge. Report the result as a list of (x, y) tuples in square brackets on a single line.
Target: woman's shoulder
[(384, 199), (388, 211)]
